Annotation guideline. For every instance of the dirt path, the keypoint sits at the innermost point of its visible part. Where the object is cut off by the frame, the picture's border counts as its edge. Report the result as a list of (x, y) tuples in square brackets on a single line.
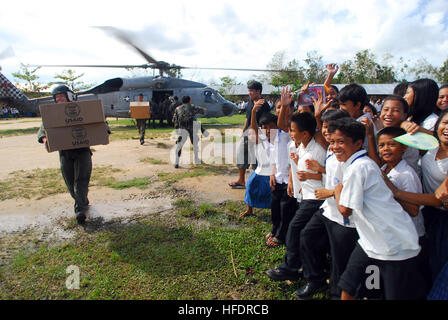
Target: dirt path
[(24, 153)]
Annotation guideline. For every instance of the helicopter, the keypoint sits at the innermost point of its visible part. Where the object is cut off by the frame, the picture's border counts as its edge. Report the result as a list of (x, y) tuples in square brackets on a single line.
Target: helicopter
[(117, 93)]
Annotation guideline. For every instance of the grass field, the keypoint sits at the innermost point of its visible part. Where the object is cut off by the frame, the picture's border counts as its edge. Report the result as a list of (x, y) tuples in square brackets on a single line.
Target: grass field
[(199, 252)]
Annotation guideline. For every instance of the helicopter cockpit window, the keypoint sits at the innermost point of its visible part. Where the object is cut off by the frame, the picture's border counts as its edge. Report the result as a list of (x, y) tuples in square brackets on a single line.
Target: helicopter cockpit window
[(209, 97)]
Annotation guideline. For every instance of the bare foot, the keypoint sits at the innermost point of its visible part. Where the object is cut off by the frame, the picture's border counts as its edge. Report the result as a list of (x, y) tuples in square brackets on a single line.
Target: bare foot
[(248, 212)]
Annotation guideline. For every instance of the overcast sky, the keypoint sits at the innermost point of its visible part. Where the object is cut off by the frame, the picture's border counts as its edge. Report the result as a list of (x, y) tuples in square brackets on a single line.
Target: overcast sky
[(233, 34)]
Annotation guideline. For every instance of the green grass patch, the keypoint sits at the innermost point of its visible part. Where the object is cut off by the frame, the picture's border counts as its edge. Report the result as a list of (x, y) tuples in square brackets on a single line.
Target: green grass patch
[(40, 183), (18, 132), (141, 183), (236, 119), (196, 171), (156, 259), (152, 161)]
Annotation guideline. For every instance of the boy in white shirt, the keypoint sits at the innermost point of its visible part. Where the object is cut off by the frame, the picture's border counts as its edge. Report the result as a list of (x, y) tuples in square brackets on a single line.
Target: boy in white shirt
[(303, 127), (283, 206), (327, 223), (388, 240), (403, 177)]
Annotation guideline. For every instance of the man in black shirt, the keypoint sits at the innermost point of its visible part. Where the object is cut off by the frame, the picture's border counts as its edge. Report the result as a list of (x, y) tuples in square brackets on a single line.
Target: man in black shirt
[(246, 154)]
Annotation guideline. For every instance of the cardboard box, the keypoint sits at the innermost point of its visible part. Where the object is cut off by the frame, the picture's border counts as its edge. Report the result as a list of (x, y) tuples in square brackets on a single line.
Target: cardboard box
[(74, 137), (140, 110), (71, 113)]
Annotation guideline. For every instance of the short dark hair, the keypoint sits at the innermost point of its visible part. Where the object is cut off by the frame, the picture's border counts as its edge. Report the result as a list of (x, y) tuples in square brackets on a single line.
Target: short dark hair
[(331, 115), (371, 107), (353, 92), (335, 88), (400, 89), (305, 122), (254, 85), (267, 118), (311, 106), (176, 98), (349, 127), (400, 99), (186, 99), (391, 131)]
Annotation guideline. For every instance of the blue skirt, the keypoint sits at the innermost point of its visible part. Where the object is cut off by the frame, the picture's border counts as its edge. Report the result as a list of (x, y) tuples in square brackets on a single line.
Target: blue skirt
[(258, 192)]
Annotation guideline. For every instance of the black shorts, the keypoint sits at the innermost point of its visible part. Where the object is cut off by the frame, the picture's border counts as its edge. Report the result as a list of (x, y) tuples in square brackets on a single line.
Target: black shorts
[(399, 280)]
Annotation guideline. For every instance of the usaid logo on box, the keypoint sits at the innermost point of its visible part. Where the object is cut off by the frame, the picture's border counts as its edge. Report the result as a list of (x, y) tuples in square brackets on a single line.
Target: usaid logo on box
[(72, 111), (80, 136)]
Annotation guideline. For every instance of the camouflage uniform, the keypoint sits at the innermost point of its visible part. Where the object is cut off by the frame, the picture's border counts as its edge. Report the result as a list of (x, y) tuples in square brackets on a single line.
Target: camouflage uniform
[(171, 109), (76, 168), (141, 126), (183, 119)]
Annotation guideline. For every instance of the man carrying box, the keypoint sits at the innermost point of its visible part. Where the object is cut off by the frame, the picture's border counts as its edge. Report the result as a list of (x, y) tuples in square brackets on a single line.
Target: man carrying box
[(76, 164), (141, 124)]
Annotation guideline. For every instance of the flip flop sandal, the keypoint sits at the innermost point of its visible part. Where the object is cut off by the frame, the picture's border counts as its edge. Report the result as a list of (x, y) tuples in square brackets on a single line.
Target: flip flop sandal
[(269, 236), (237, 185), (273, 242)]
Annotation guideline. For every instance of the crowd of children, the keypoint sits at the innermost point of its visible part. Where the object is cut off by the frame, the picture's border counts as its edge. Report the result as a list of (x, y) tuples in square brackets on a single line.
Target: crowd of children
[(347, 198)]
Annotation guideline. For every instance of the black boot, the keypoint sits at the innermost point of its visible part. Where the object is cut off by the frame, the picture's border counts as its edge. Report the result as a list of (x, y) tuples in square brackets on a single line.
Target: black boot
[(310, 289)]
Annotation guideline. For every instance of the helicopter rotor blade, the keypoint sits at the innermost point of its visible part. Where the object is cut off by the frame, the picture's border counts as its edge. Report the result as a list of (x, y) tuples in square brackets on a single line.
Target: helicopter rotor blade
[(126, 66), (239, 69), (126, 39)]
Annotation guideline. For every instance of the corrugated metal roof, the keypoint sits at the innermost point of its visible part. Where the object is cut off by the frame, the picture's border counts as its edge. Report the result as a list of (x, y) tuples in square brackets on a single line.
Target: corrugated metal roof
[(372, 89)]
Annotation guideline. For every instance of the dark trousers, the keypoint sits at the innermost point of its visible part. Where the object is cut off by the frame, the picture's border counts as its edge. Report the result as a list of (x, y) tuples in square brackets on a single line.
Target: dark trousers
[(141, 126), (314, 246), (305, 211), (401, 280), (436, 225), (76, 168), (246, 153), (342, 242), (283, 208)]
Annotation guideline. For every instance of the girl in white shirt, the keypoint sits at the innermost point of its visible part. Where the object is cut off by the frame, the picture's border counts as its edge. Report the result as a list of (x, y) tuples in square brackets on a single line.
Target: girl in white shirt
[(258, 190), (421, 95), (434, 171)]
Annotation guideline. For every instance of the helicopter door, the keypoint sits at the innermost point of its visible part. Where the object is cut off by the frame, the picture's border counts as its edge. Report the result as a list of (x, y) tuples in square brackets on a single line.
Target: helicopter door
[(160, 103)]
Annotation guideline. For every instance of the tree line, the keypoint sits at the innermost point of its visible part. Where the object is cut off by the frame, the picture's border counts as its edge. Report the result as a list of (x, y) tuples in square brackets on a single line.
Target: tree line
[(365, 68)]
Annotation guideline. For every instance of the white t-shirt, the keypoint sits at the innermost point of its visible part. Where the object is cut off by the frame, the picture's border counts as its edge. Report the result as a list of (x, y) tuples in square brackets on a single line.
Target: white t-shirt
[(280, 157), (333, 177), (430, 122), (296, 184), (412, 158), (386, 232), (312, 151), (405, 178), (434, 172), (263, 152)]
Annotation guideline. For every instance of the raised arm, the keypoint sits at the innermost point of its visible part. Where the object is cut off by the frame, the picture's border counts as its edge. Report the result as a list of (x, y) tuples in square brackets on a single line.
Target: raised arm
[(332, 69), (253, 118), (285, 102)]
